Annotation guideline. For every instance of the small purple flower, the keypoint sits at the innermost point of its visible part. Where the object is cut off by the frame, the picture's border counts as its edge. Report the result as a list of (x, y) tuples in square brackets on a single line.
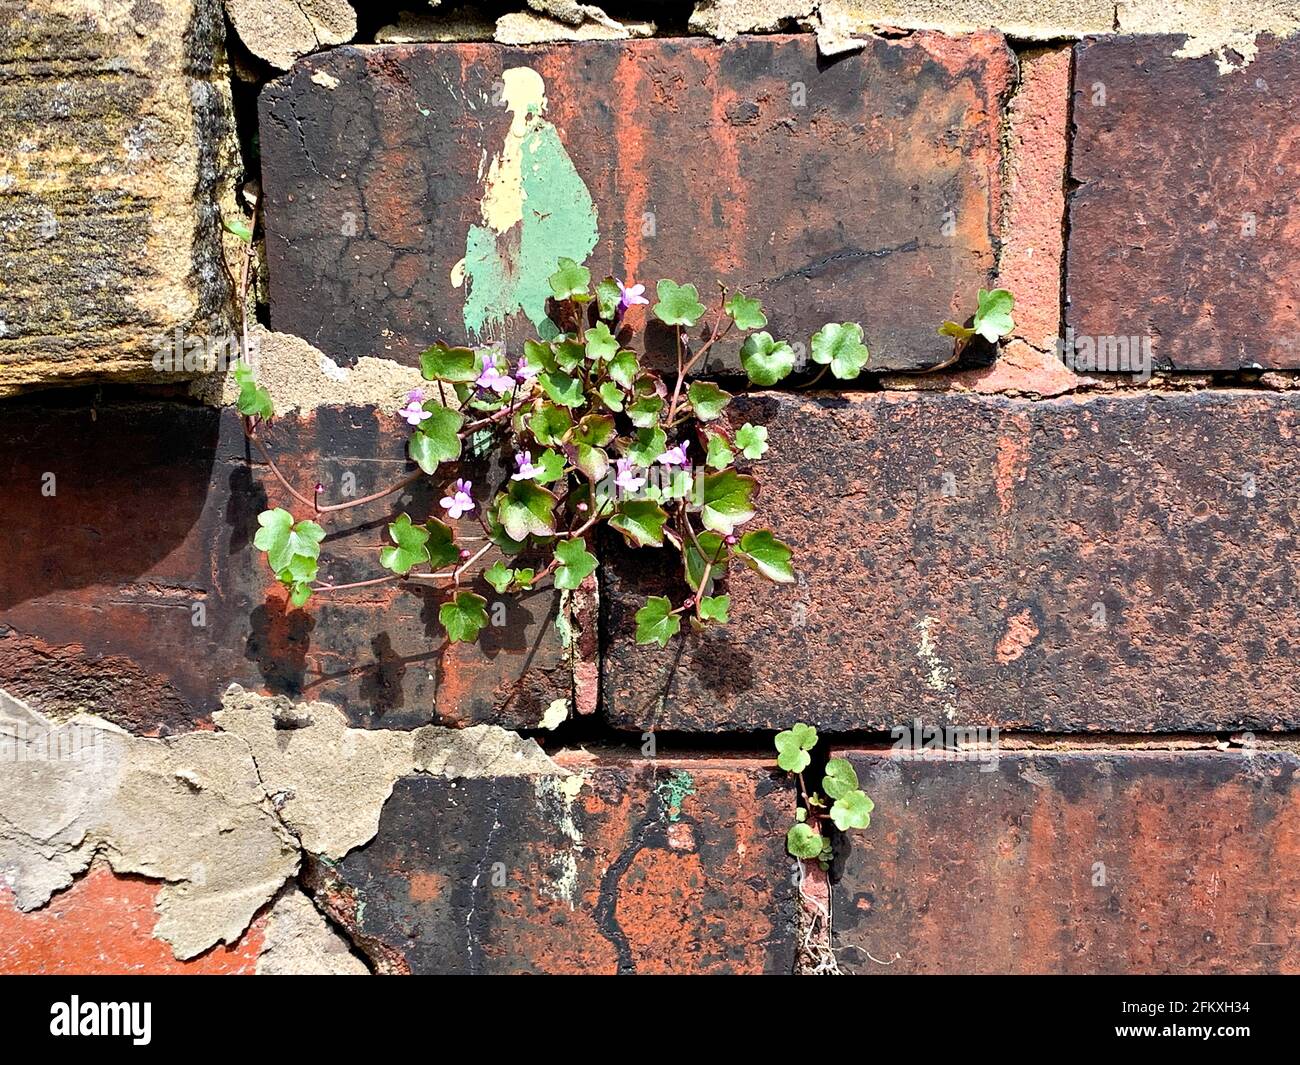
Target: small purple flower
[(414, 413), (493, 379), (459, 501), (527, 471), (674, 456), (626, 477), (630, 296), (524, 371), (416, 395)]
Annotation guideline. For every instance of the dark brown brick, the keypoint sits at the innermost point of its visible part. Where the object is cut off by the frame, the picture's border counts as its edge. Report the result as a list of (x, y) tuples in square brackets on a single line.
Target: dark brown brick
[(1119, 562), (1099, 862), (674, 866), (831, 207), (155, 507), (1182, 227)]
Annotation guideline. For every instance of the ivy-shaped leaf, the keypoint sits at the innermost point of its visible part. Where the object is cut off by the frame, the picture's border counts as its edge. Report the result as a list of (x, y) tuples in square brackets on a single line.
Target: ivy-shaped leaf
[(254, 401), (552, 464), (711, 550), (707, 400), (993, 318), (594, 429), (591, 461), (608, 296), (623, 368), (550, 424), (437, 439), (576, 564), (678, 304), (645, 411), (562, 389), (499, 575), (610, 395), (441, 544), (793, 745), (852, 810), (569, 280), (443, 363), (463, 617), (715, 607), (840, 779), (727, 501), (746, 313), (752, 440), (768, 555), (656, 623), (526, 509), (410, 550), (283, 540), (647, 446), (802, 842), (641, 521), (719, 455), (601, 343), (569, 355), (766, 360), (839, 346)]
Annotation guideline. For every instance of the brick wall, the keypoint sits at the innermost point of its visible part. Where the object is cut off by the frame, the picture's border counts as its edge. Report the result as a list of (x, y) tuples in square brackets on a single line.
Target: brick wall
[(1098, 564)]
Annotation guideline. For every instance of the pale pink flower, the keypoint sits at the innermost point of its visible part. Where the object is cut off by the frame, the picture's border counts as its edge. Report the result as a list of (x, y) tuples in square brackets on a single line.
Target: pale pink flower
[(527, 471), (414, 413), (459, 501), (626, 477)]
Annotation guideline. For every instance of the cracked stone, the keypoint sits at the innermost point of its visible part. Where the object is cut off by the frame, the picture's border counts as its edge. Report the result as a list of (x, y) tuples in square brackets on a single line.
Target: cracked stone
[(281, 31)]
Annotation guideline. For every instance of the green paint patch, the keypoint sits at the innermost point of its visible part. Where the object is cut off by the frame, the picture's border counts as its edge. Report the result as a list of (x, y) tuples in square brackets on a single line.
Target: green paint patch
[(507, 272), (673, 791)]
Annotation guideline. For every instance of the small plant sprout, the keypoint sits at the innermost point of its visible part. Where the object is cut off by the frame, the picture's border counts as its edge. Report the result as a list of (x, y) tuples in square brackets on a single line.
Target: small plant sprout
[(585, 434), (840, 798), (991, 321)]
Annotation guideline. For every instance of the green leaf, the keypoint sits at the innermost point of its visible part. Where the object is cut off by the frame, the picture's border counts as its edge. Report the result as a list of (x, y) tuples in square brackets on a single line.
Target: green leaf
[(540, 354), (499, 575), (993, 318), (707, 400), (645, 411), (956, 331), (678, 304), (568, 355), (793, 745), (752, 440), (647, 446), (410, 550), (610, 395), (719, 454), (840, 779), (444, 363), (563, 389), (592, 461), (437, 438), (594, 429), (607, 299), (768, 555), (711, 548), (641, 521), (656, 623), (840, 347), (715, 607), (240, 228), (441, 544), (525, 509), (254, 401), (463, 616), (746, 313), (552, 464), (569, 280), (802, 842), (576, 564), (727, 501), (852, 810), (282, 540), (299, 593), (550, 424), (624, 367), (497, 533), (766, 360), (601, 343)]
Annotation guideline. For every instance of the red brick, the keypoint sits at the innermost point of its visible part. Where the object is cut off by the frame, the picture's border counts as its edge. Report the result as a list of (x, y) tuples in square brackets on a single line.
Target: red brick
[(832, 210), (1174, 513), (669, 866), (1174, 169), (155, 509), (103, 925), (1106, 861)]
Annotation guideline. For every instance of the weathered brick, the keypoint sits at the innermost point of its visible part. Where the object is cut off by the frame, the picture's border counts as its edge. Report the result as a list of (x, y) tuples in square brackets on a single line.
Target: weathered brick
[(103, 925), (117, 152), (627, 865), (1109, 861), (1182, 228), (1120, 562), (154, 510), (864, 189)]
